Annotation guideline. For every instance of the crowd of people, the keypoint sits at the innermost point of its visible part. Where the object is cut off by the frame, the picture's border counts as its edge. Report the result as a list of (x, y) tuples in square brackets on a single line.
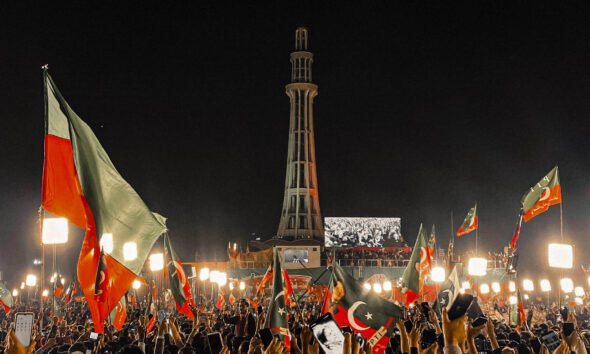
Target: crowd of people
[(238, 327), (380, 257), (364, 232)]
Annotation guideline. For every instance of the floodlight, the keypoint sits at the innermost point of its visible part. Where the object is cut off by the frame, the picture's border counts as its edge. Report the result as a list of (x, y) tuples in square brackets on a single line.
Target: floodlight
[(130, 251), (545, 285), (106, 243), (387, 285), (156, 262), (561, 255), (136, 284), (242, 285), (513, 300), (63, 281), (222, 280), (377, 288), (45, 293), (204, 274), (528, 285), (22, 285), (214, 276), (231, 286), (367, 286), (567, 285), (477, 266), (496, 287), (55, 231), (465, 285), (526, 296), (511, 286), (14, 292), (438, 274), (31, 280), (579, 291), (484, 288), (579, 301)]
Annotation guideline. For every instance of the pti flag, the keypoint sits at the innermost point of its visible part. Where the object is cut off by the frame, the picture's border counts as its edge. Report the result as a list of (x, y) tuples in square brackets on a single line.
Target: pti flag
[(276, 319), (81, 183), (470, 222), (541, 196), (102, 287), (418, 266), (118, 316), (151, 308), (6, 300), (363, 311), (516, 233), (179, 285), (518, 315)]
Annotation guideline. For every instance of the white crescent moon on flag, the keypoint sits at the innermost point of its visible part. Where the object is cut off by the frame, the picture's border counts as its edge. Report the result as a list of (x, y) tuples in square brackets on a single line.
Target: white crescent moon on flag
[(351, 319), (545, 194), (282, 293), (179, 272)]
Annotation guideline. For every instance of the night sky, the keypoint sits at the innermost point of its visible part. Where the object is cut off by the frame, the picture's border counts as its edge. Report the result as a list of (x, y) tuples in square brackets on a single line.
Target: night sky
[(422, 110)]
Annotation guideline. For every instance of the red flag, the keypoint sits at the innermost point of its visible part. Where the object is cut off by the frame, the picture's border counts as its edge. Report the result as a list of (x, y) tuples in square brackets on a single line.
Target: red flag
[(541, 196), (470, 223), (120, 316), (220, 300), (516, 234), (288, 287), (5, 307), (265, 279), (151, 308), (102, 288), (326, 303), (232, 299)]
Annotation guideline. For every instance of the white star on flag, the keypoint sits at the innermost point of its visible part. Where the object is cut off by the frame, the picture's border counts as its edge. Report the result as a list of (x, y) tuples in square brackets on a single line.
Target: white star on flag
[(369, 316), (281, 311)]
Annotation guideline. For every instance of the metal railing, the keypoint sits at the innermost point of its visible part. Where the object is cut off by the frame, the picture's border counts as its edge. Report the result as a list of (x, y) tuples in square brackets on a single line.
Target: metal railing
[(386, 263)]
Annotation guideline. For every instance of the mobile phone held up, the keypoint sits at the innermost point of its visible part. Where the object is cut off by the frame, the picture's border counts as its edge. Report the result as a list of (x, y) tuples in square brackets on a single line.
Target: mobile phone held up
[(93, 336), (215, 342), (460, 306), (479, 321), (428, 338), (265, 336), (328, 334), (24, 327), (567, 328)]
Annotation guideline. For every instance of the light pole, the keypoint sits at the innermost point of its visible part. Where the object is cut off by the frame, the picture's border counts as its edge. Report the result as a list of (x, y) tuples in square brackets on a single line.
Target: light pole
[(54, 231)]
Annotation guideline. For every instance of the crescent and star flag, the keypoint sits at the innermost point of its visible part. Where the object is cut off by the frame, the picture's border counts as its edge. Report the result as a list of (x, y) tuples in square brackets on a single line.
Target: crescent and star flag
[(518, 315), (220, 303), (363, 311), (118, 315), (102, 287), (151, 309), (470, 222), (448, 292), (417, 268), (81, 183), (72, 290), (265, 279), (6, 299), (276, 318), (179, 285), (541, 196)]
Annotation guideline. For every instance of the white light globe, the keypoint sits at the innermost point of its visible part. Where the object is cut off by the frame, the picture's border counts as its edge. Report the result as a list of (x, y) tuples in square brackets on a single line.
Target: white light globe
[(477, 266)]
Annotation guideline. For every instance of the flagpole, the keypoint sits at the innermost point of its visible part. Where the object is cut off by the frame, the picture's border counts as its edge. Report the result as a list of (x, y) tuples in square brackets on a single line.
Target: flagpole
[(41, 212)]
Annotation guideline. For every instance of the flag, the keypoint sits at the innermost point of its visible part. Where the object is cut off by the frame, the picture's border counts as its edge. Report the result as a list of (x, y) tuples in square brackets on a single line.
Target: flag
[(450, 250), (327, 301), (118, 315), (288, 287), (516, 234), (6, 299), (541, 196), (81, 183), (220, 303), (413, 276), (363, 311), (276, 318), (71, 292), (179, 285), (470, 222), (432, 240), (151, 309), (448, 291), (232, 299), (518, 315), (58, 287), (102, 287), (267, 276)]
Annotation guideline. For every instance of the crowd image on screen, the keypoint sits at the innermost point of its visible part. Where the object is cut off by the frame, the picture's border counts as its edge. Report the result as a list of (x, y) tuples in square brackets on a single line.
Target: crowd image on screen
[(369, 232)]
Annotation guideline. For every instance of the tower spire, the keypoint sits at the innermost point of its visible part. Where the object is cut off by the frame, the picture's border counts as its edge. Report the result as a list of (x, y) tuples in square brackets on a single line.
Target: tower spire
[(300, 216)]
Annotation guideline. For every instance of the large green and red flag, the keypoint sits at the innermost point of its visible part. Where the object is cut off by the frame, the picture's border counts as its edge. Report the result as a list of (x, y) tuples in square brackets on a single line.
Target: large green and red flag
[(518, 314), (418, 267), (81, 183), (363, 311), (276, 319), (118, 315), (541, 196), (179, 285), (470, 223), (6, 299)]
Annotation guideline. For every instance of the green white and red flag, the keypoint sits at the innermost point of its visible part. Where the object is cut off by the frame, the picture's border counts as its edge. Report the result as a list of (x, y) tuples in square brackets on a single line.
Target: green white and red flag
[(418, 267), (151, 308), (363, 311), (541, 196), (470, 223), (179, 285), (118, 315), (6, 299), (81, 183)]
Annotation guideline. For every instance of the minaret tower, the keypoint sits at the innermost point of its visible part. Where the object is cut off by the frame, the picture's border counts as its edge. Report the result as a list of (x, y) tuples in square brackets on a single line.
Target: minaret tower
[(301, 217)]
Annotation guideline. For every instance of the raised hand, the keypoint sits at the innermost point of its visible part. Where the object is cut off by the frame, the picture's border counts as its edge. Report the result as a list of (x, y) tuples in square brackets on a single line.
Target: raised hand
[(453, 331)]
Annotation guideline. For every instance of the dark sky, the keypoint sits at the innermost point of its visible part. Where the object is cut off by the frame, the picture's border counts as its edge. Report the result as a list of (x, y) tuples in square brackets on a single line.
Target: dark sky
[(422, 111)]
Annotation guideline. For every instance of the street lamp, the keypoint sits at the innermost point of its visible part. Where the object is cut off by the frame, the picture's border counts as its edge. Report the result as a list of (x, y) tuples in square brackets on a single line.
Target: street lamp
[(31, 280), (214, 276), (484, 288), (367, 286), (477, 266), (579, 291), (377, 288), (45, 293), (466, 285), (136, 284), (567, 285), (545, 285), (528, 285), (242, 286), (55, 231), (387, 285), (561, 255), (14, 292), (438, 274), (222, 280), (156, 262), (496, 287)]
